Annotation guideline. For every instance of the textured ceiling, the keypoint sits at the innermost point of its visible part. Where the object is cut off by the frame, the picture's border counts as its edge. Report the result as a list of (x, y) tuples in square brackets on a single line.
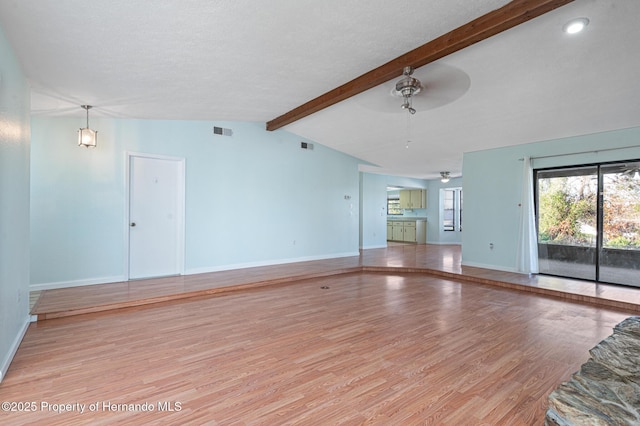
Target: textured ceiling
[(253, 61)]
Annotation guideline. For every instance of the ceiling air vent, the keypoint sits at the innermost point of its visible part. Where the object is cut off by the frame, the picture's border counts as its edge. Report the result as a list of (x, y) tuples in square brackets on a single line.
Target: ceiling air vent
[(306, 145), (222, 131)]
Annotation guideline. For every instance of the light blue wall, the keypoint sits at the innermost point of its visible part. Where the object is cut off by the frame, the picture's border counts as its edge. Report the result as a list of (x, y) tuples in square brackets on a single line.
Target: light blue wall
[(373, 210), (492, 189), (251, 199), (14, 204)]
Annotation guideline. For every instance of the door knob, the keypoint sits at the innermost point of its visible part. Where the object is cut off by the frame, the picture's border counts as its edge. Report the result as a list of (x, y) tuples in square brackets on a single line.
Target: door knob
[(133, 224)]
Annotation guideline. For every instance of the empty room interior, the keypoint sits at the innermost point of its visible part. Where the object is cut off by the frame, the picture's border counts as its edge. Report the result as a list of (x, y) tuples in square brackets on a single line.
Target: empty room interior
[(308, 212)]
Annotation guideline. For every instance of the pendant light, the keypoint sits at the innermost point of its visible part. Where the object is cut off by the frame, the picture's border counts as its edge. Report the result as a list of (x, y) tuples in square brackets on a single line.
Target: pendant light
[(86, 136)]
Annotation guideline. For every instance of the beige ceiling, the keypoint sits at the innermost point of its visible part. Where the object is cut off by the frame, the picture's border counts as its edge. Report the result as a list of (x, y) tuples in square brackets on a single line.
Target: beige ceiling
[(254, 60)]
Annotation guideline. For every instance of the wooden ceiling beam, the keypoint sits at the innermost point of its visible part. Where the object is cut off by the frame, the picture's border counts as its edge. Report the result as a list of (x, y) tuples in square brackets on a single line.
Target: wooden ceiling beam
[(512, 14)]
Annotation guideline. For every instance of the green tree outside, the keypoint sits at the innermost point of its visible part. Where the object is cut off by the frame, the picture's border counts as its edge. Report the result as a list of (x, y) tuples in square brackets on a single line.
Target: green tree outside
[(568, 210)]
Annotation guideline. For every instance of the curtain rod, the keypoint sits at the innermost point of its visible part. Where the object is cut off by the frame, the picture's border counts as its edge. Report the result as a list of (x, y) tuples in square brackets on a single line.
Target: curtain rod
[(582, 152)]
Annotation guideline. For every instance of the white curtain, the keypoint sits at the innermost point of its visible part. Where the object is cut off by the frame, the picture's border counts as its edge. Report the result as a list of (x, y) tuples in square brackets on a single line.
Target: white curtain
[(527, 258)]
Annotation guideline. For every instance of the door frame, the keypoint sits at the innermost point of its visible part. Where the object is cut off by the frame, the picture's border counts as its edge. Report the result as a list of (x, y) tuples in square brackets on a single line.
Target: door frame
[(180, 222), (598, 248)]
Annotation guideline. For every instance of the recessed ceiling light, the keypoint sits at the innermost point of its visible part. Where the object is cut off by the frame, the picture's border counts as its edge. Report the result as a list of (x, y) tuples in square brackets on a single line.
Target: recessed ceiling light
[(575, 25)]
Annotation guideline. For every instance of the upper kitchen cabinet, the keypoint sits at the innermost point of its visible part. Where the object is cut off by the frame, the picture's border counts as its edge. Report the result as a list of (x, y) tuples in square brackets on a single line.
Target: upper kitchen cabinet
[(413, 199)]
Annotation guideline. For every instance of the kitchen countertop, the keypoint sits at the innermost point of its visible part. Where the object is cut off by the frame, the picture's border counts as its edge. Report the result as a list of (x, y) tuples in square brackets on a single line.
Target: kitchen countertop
[(404, 219)]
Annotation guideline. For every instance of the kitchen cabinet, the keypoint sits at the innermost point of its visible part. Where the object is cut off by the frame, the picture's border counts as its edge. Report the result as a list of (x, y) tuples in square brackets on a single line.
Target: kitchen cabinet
[(398, 231), (410, 231), (413, 199)]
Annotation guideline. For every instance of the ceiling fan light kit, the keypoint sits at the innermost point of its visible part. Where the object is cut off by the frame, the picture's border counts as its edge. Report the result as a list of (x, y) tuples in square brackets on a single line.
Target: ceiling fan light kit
[(445, 177)]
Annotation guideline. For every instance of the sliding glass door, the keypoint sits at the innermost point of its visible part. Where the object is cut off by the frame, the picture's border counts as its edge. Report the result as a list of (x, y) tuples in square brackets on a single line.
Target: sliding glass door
[(589, 222), (567, 221), (619, 256)]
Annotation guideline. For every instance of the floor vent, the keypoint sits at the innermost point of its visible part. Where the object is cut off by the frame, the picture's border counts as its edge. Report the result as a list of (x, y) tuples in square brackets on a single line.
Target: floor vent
[(222, 131), (306, 145)]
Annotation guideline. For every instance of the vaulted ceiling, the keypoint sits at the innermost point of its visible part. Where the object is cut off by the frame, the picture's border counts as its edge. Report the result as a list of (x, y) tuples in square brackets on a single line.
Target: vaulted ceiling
[(247, 60)]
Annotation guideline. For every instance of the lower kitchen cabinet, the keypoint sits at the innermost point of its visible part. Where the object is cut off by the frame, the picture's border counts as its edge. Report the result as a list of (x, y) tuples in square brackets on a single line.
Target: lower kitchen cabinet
[(397, 233), (410, 231)]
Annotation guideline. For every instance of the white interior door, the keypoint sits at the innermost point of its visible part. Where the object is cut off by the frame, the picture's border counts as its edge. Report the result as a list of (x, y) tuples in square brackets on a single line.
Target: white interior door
[(156, 216)]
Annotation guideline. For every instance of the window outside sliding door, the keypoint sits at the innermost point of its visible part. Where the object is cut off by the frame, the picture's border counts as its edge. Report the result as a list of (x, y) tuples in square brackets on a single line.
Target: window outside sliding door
[(589, 222)]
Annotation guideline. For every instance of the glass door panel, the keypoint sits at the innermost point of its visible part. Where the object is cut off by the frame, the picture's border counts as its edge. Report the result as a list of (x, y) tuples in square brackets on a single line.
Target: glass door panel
[(567, 201), (619, 257)]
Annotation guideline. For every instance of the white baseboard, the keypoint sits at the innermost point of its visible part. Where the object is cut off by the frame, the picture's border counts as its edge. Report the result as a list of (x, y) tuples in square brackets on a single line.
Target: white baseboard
[(4, 367), (375, 247), (494, 267), (445, 243), (204, 270), (76, 283), (194, 271)]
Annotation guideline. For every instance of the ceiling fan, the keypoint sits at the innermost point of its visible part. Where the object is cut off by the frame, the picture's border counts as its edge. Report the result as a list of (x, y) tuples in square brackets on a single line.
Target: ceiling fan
[(407, 87), (422, 89)]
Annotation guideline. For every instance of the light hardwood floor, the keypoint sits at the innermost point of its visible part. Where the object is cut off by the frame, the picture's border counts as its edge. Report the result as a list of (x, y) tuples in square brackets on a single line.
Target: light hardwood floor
[(389, 348), (439, 260)]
